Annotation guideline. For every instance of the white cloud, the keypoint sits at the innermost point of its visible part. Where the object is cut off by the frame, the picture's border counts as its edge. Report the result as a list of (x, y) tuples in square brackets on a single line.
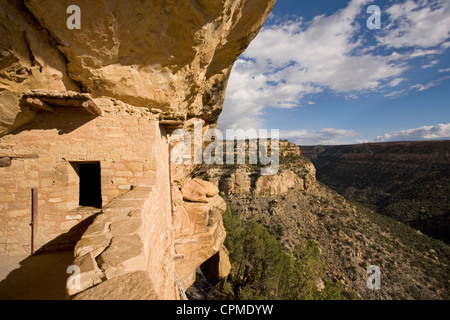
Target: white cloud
[(422, 24), (428, 85), (430, 64), (396, 93), (395, 82), (444, 70), (327, 136), (421, 53), (321, 54), (290, 60), (437, 132), (331, 136), (418, 87)]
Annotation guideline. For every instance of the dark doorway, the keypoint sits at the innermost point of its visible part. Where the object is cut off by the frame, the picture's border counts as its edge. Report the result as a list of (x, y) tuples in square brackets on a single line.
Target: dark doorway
[(90, 184)]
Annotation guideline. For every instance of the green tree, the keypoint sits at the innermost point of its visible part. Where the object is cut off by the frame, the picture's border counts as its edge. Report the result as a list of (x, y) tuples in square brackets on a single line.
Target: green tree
[(262, 269)]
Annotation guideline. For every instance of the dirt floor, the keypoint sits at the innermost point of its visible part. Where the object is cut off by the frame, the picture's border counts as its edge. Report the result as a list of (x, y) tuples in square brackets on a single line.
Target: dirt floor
[(39, 277)]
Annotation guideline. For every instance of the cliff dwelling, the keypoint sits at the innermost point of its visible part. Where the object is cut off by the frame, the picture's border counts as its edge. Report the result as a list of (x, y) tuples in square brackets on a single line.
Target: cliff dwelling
[(84, 164), (73, 158), (85, 138)]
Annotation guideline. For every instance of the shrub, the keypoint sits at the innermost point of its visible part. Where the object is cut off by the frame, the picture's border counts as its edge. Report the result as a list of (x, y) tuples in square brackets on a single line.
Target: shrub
[(263, 269)]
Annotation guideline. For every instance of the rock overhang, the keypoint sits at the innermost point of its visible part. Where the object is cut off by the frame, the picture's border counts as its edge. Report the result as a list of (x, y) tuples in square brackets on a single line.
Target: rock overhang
[(171, 55)]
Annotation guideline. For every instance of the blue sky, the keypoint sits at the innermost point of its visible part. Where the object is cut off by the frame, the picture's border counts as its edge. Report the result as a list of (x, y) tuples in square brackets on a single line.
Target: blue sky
[(318, 74)]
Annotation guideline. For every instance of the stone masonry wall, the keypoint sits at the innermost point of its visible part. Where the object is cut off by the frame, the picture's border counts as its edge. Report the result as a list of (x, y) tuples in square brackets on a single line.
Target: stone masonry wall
[(132, 235), (137, 227), (124, 141)]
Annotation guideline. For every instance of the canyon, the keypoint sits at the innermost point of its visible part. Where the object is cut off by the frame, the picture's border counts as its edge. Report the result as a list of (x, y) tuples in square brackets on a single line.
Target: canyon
[(297, 208), (408, 181)]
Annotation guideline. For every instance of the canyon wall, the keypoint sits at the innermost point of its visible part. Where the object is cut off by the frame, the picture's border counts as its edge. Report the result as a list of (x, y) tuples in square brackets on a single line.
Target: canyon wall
[(246, 180), (408, 181), (296, 209)]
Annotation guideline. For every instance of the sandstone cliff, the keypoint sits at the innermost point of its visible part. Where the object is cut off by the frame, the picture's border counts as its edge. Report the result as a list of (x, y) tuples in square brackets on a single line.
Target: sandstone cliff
[(174, 55), (246, 179), (172, 59)]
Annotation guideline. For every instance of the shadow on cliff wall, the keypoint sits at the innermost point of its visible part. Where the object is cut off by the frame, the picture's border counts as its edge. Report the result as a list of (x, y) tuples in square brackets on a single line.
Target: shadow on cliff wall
[(43, 276), (63, 119)]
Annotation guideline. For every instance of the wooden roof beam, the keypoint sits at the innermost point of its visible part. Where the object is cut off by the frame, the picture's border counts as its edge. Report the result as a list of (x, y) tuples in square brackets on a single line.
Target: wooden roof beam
[(39, 104), (92, 108)]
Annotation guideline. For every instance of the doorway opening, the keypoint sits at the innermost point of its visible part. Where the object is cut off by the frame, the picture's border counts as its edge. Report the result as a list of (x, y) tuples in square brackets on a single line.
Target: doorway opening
[(90, 183)]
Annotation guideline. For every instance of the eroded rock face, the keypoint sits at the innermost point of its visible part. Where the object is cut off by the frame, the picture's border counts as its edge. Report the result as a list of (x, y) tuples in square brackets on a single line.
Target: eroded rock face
[(175, 55), (171, 54), (29, 59), (239, 181), (197, 190), (278, 184), (217, 268), (199, 230)]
